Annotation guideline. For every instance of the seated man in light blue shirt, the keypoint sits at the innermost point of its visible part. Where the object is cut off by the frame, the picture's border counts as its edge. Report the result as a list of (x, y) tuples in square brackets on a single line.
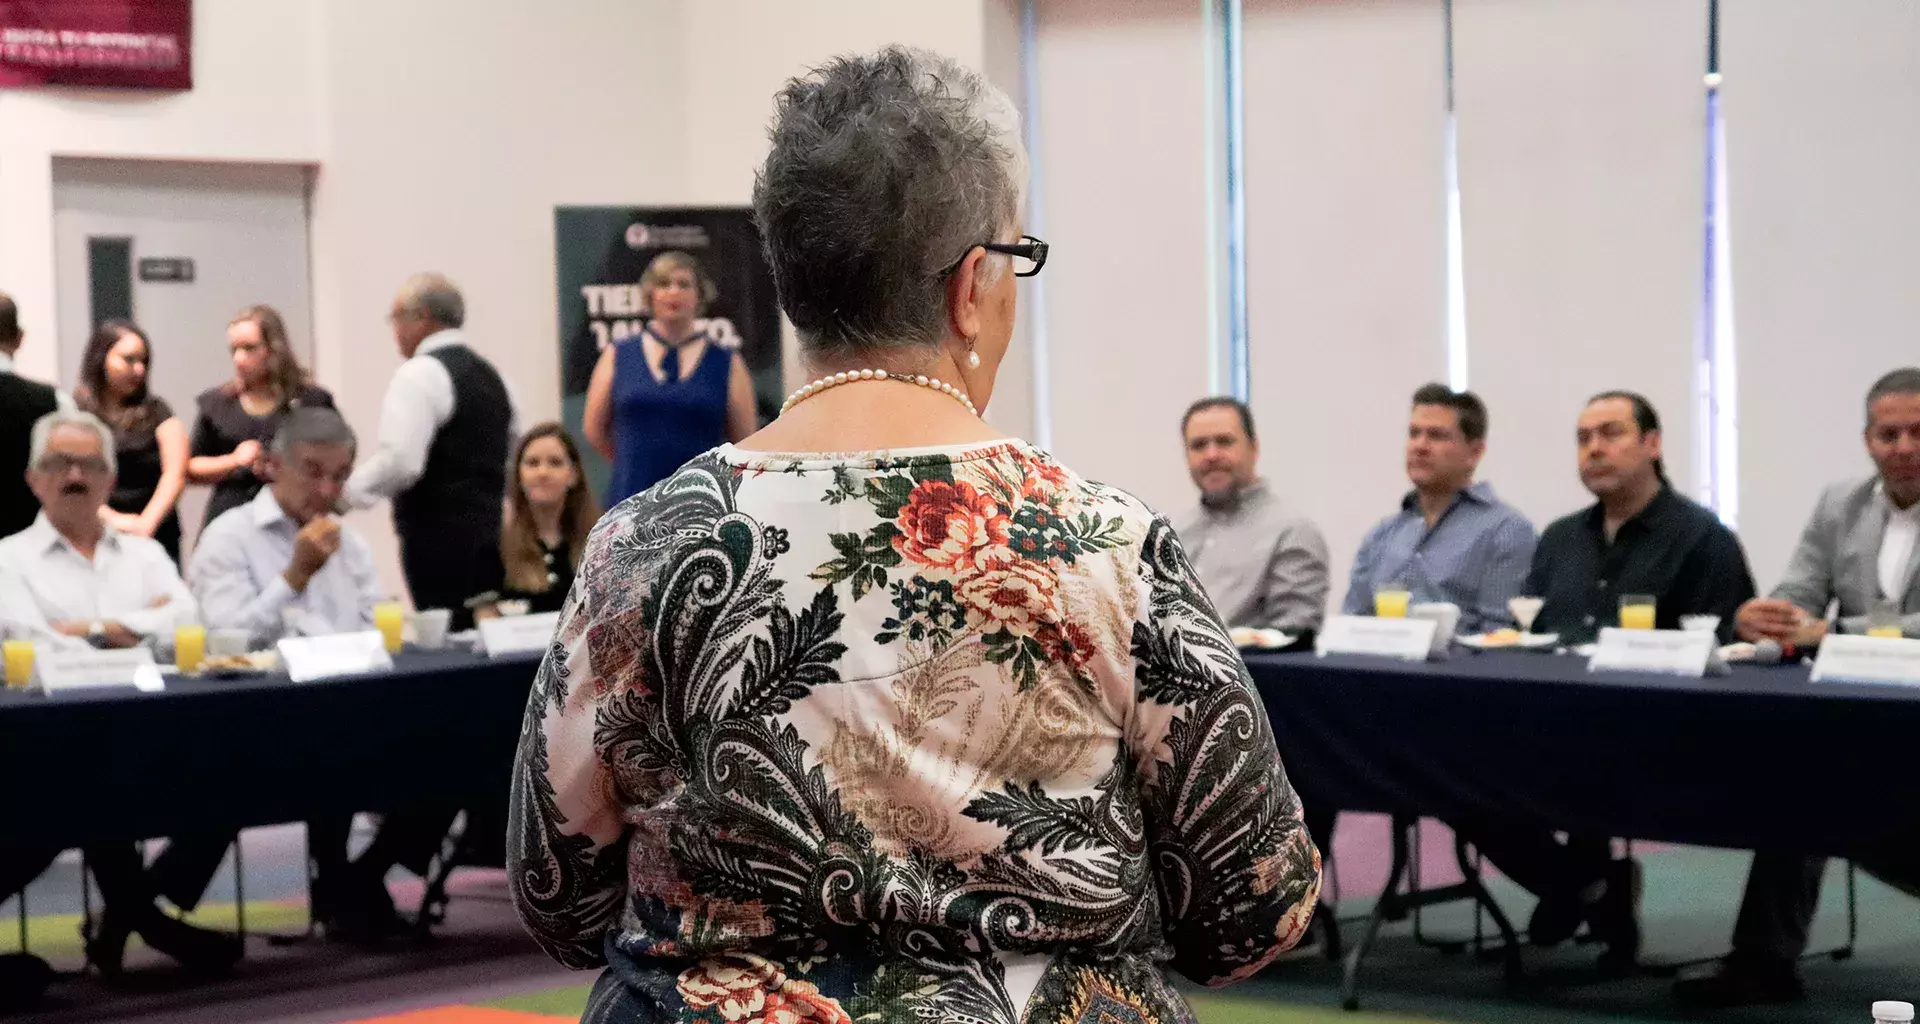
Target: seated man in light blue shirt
[(282, 564), (1452, 540)]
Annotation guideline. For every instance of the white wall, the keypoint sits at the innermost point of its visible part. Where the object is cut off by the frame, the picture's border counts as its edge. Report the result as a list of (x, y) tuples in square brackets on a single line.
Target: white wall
[(1346, 253), (1582, 161), (1122, 90), (1822, 108), (253, 101)]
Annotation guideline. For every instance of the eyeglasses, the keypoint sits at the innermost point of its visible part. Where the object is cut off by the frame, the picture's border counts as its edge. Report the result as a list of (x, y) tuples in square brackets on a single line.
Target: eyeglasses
[(1029, 255), (92, 465)]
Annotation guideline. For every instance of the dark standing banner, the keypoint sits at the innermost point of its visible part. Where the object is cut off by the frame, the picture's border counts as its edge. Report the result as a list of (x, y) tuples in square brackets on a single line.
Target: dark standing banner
[(601, 252), (119, 44)]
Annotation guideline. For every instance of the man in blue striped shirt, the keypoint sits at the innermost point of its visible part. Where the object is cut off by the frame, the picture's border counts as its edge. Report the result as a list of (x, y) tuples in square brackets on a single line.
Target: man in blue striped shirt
[(1452, 540)]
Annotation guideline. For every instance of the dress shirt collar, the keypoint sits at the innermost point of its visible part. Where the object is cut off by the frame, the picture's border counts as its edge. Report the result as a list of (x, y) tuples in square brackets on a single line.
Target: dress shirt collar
[(45, 538), (443, 338), (1478, 492), (1880, 491), (1252, 493), (1646, 520), (266, 511), (6, 362)]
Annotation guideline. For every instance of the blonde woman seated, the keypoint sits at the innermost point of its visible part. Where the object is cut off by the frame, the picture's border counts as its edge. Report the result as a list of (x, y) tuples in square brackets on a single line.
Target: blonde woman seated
[(881, 714)]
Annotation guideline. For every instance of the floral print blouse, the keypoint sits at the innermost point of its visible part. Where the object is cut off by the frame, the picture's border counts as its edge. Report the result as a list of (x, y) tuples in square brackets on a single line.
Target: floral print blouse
[(942, 734)]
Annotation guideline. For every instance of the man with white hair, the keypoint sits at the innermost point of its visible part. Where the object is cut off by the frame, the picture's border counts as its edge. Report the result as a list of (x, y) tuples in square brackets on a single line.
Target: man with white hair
[(69, 582), (446, 430)]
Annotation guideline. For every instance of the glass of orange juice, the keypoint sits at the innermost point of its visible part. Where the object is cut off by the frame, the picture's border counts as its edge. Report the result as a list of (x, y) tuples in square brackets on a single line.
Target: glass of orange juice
[(1636, 611), (1390, 600), (19, 658), (189, 647), (1883, 620), (390, 618)]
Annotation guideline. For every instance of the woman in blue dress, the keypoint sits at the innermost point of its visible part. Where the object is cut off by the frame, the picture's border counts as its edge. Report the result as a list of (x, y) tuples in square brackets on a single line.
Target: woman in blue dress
[(669, 393)]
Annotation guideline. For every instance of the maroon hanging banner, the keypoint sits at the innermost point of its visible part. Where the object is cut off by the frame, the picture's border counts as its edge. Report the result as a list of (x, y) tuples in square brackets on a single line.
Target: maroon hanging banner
[(120, 44)]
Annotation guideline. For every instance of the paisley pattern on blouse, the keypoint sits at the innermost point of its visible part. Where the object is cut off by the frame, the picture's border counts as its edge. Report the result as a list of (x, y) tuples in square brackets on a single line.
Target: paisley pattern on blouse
[(949, 735)]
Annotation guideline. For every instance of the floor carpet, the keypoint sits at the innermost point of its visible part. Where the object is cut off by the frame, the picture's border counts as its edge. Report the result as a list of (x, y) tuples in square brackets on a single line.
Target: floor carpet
[(482, 969)]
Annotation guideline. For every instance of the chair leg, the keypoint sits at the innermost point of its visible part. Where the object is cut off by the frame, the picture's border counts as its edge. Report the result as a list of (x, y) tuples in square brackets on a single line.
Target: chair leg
[(433, 901), (1483, 898), (239, 891), (1853, 914), (1382, 908), (86, 905)]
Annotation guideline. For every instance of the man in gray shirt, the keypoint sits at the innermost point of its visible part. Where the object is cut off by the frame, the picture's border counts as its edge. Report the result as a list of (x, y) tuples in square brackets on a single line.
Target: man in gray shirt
[(1858, 550), (1262, 567)]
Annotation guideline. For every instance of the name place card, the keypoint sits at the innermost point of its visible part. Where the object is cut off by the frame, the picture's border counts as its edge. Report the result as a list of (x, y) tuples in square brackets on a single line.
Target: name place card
[(518, 634), (1666, 651), (1404, 639), (1868, 659), (344, 654), (79, 670)]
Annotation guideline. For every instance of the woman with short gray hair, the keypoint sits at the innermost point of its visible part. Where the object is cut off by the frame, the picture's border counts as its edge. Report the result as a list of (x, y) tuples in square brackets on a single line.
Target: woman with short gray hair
[(881, 713)]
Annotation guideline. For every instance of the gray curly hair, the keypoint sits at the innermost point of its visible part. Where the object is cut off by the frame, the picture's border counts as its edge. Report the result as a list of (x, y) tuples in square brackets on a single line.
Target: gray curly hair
[(885, 171)]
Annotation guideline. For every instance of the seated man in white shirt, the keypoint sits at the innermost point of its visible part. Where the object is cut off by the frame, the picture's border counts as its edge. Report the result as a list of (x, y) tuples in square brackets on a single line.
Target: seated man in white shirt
[(70, 582), (282, 564)]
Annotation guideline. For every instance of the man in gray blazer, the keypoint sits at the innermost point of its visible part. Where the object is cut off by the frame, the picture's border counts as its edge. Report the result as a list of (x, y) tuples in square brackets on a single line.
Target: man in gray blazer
[(1857, 551)]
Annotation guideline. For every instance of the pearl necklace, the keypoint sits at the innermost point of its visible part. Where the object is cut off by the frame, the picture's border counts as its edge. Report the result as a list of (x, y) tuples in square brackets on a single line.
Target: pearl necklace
[(834, 380)]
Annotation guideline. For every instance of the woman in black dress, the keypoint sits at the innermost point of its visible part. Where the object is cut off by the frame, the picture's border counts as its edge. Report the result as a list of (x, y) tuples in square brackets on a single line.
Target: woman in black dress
[(550, 511), (238, 418), (150, 443)]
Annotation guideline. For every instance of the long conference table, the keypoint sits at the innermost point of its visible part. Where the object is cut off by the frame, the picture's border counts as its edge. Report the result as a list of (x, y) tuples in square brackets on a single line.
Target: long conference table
[(1761, 759), (209, 754)]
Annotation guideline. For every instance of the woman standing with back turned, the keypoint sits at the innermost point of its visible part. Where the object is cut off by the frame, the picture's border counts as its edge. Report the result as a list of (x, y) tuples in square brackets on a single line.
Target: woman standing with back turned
[(881, 714)]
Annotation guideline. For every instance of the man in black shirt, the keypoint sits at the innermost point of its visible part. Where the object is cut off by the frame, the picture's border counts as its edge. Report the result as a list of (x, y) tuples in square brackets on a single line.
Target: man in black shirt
[(1638, 538)]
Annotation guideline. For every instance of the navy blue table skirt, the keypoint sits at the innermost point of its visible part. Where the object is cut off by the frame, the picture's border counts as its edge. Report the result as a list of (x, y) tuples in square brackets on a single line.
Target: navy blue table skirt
[(210, 755), (1762, 759)]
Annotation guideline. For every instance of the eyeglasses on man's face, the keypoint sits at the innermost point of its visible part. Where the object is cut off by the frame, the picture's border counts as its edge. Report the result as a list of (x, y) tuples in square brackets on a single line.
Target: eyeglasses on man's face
[(60, 464)]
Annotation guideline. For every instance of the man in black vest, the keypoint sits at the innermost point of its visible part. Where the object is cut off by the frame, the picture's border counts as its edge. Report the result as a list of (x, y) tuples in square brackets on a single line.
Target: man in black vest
[(22, 402), (446, 429)]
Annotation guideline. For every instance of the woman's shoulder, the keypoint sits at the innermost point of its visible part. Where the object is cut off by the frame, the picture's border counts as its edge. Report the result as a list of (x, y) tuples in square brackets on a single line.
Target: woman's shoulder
[(313, 395), (222, 394), (1113, 502)]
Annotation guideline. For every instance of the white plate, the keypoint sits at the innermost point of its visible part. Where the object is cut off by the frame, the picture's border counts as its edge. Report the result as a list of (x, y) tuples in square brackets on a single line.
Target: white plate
[(1259, 639), (1527, 642)]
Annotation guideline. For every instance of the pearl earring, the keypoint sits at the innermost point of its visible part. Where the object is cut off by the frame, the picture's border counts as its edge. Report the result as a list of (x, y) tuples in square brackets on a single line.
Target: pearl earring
[(973, 360)]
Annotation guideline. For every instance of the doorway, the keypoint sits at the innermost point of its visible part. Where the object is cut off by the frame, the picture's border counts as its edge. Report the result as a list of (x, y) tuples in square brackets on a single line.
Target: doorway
[(179, 247)]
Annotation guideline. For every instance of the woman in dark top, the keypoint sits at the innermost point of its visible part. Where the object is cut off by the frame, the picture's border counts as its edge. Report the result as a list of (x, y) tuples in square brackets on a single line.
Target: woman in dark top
[(238, 418), (550, 511), (660, 398), (150, 443)]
